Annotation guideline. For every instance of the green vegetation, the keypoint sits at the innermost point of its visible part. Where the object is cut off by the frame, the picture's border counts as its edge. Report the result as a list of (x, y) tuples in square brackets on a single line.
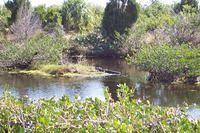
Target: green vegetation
[(4, 14), (79, 16), (178, 61), (41, 48), (69, 70), (159, 38), (79, 29), (165, 44), (50, 17), (184, 3), (125, 115), (119, 16)]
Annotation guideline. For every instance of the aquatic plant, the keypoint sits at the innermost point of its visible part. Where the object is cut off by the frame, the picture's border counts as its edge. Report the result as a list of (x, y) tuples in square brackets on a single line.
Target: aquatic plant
[(92, 115)]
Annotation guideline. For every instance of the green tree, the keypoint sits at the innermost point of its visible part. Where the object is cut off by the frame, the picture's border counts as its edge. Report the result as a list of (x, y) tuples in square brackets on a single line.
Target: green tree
[(119, 16), (50, 17), (53, 15), (156, 15), (14, 6), (192, 3), (41, 10), (76, 15), (4, 14)]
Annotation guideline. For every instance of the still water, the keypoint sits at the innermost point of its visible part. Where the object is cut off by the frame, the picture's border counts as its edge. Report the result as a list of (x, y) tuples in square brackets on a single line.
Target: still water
[(157, 93)]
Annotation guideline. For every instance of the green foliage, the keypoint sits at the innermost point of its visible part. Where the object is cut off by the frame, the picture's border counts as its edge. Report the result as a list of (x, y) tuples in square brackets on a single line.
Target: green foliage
[(42, 48), (157, 15), (154, 16), (13, 6), (119, 16), (92, 115), (78, 16), (178, 60), (41, 10), (96, 45), (184, 3), (4, 14), (50, 17), (49, 48), (53, 15)]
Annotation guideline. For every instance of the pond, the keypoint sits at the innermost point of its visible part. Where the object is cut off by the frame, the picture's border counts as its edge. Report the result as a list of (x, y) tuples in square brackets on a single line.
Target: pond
[(157, 93)]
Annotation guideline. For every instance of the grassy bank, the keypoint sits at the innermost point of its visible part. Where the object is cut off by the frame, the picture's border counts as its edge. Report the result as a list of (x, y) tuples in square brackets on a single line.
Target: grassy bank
[(126, 115), (68, 70)]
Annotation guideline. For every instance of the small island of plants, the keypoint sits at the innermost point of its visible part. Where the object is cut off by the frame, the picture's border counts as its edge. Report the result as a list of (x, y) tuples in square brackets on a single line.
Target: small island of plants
[(69, 70)]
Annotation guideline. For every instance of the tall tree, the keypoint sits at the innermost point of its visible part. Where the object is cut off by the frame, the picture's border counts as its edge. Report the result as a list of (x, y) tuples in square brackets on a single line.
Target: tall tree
[(119, 16)]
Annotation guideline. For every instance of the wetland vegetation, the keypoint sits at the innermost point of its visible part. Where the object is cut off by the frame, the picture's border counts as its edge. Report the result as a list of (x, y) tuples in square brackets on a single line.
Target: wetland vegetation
[(158, 39)]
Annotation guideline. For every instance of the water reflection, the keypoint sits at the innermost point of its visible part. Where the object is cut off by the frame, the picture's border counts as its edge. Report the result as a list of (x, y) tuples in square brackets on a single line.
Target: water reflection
[(158, 94), (39, 88)]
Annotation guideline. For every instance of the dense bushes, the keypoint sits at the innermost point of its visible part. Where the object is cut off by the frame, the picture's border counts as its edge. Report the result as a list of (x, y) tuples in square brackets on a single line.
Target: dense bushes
[(50, 17), (185, 30), (119, 16), (163, 60), (42, 48), (156, 24), (125, 115), (79, 16), (156, 16), (74, 15), (192, 3), (4, 14)]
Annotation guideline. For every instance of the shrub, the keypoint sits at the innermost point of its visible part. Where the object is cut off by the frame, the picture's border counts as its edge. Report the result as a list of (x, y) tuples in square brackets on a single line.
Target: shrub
[(158, 24), (191, 3), (49, 48), (79, 16), (41, 11), (42, 48), (92, 115), (119, 16), (51, 17), (156, 16), (94, 44), (4, 15), (185, 30), (178, 60)]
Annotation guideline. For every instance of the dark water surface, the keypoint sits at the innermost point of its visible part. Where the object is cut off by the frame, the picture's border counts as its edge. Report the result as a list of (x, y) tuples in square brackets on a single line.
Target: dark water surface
[(157, 93)]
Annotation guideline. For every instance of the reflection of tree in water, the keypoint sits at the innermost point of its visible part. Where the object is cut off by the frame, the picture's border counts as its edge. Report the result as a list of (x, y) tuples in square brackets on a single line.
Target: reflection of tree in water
[(112, 82), (169, 95), (118, 65), (21, 83), (130, 75), (158, 94)]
